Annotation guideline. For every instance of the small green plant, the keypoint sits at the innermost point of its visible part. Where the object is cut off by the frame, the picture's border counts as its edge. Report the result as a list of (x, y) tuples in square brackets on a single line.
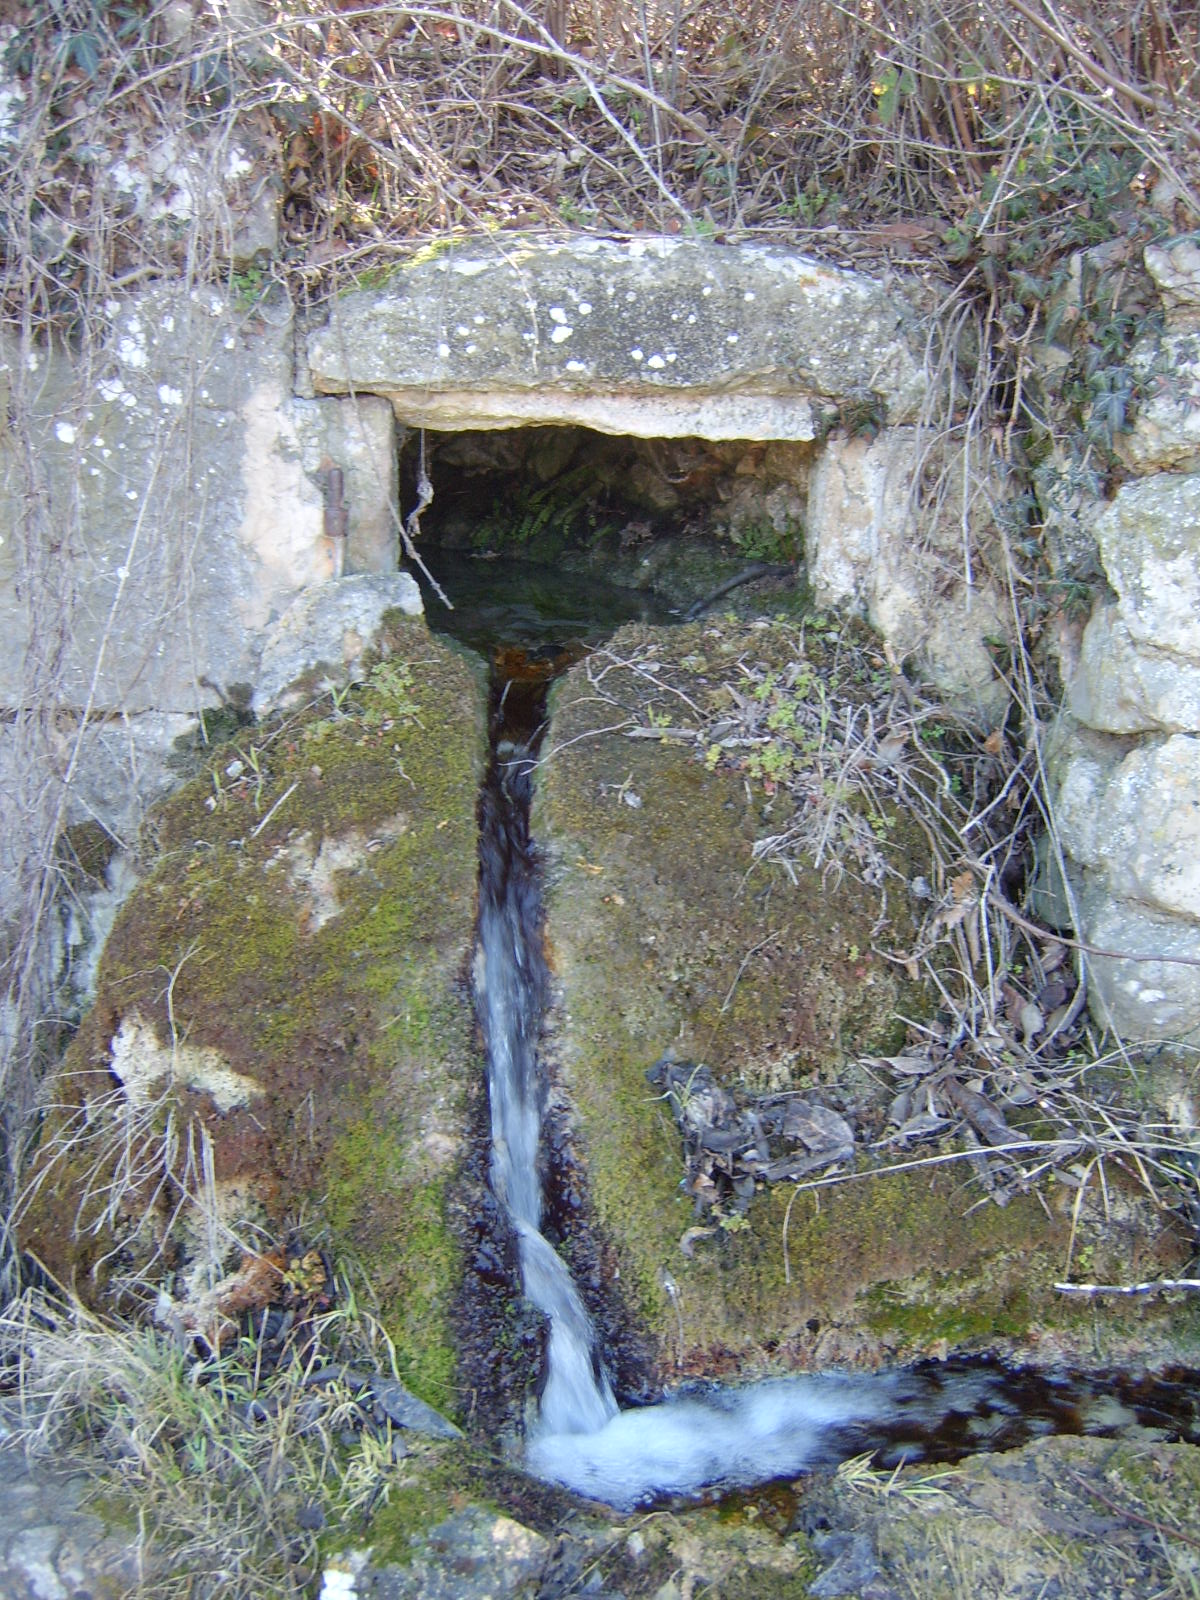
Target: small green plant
[(761, 540), (249, 286)]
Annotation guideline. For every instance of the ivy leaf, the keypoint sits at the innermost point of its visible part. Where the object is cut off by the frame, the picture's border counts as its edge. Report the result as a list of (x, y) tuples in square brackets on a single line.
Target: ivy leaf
[(85, 51), (889, 89)]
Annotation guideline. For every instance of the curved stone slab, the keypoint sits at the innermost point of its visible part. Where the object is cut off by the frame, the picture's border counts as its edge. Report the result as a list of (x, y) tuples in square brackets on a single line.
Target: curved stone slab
[(660, 338)]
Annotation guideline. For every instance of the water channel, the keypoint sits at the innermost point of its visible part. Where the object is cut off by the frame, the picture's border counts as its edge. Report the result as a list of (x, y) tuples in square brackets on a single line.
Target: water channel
[(707, 1438)]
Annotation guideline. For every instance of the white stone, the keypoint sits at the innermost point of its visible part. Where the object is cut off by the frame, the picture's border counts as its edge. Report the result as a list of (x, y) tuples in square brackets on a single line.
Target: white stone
[(195, 530), (1166, 431), (1119, 686), (1143, 997), (1149, 540), (1175, 268), (868, 551), (816, 331), (330, 628)]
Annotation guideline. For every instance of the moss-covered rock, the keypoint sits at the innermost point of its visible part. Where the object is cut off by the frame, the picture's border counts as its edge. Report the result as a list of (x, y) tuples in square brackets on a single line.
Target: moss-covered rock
[(283, 1033), (1071, 1517), (666, 935)]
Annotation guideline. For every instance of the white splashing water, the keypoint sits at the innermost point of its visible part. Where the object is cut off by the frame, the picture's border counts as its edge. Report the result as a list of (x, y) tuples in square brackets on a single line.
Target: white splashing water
[(727, 1437), (510, 989), (582, 1441)]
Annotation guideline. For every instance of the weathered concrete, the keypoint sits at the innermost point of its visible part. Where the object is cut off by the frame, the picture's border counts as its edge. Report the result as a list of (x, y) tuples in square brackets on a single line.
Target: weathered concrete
[(660, 338), (184, 486)]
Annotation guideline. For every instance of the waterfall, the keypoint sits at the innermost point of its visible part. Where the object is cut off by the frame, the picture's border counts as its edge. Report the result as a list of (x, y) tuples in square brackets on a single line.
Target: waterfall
[(511, 989)]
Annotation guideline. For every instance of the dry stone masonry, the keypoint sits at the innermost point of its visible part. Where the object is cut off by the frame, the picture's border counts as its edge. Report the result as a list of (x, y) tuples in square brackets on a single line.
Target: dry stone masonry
[(197, 467), (1127, 757)]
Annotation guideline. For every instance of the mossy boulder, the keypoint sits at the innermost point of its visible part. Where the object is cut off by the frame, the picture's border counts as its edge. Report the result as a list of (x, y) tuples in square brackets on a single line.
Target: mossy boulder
[(1063, 1516), (283, 1034), (670, 933)]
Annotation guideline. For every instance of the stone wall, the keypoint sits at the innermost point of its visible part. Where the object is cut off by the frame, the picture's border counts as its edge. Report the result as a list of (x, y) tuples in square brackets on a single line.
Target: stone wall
[(182, 484), (1126, 755), (182, 488), (182, 479)]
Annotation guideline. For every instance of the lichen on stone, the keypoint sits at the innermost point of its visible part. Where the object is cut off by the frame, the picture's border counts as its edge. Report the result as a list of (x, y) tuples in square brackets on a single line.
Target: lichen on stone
[(302, 935)]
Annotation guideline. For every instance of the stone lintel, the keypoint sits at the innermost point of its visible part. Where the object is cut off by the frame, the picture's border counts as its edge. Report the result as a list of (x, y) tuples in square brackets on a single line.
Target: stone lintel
[(639, 415)]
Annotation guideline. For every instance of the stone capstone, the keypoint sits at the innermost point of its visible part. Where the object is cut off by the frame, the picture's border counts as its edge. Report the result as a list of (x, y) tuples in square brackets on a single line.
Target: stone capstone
[(652, 337), (329, 628), (183, 487)]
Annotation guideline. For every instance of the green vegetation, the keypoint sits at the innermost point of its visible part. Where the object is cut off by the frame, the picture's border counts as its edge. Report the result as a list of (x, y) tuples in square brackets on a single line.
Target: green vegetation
[(309, 914), (240, 1452)]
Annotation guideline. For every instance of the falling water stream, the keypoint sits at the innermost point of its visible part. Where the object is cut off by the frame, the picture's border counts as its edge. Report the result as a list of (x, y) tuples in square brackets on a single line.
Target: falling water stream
[(707, 1438)]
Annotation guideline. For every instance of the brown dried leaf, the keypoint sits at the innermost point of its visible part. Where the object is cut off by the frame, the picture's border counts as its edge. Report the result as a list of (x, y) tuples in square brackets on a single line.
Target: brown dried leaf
[(981, 1113), (909, 1066), (1052, 957), (919, 1127)]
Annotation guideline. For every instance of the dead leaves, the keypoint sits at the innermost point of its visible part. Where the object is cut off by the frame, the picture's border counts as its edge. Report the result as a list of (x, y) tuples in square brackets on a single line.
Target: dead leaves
[(731, 1147)]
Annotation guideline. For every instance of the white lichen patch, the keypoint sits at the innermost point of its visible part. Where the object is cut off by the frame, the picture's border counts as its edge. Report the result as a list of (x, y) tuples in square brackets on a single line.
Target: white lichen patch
[(559, 333), (131, 346), (145, 1068), (342, 1573), (314, 874)]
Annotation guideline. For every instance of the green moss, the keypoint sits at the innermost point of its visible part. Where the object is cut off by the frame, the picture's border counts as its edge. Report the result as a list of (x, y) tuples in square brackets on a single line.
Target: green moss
[(311, 918), (665, 936), (432, 1479)]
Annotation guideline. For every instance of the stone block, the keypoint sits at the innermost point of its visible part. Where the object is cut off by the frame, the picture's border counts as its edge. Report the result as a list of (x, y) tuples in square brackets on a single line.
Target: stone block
[(121, 767), (330, 628), (1119, 686), (655, 337), (1175, 267), (1134, 819), (867, 551), (1149, 539), (1140, 994), (1165, 436), (173, 504)]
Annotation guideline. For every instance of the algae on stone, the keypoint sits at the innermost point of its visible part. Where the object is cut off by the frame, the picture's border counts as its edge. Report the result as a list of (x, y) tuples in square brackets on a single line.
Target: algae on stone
[(666, 936), (306, 922)]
